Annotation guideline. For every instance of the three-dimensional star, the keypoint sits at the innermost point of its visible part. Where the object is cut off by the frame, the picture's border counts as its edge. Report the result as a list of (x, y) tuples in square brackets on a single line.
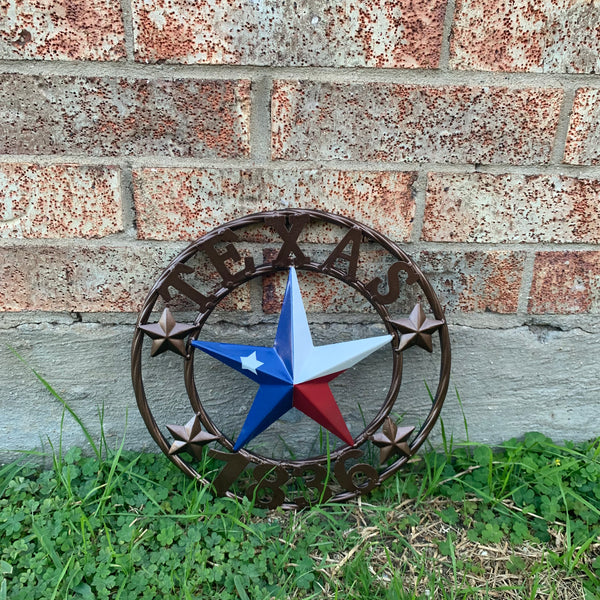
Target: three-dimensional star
[(294, 372), (392, 440), (416, 330), (167, 334), (190, 437), (251, 363)]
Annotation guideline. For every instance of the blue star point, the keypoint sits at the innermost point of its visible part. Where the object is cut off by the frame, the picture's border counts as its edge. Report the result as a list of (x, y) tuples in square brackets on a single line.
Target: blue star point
[(293, 373)]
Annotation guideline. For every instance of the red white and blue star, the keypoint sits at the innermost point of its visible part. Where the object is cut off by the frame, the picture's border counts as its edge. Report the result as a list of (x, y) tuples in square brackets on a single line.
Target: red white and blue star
[(293, 373)]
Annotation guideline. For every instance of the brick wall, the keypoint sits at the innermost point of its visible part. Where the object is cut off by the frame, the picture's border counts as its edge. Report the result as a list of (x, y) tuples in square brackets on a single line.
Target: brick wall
[(467, 131)]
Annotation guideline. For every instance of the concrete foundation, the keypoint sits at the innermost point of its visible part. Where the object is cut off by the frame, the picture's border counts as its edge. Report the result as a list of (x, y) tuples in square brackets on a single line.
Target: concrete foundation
[(510, 381)]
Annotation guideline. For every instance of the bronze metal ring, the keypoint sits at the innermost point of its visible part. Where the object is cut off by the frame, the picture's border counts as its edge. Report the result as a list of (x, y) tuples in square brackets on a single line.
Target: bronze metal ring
[(287, 223)]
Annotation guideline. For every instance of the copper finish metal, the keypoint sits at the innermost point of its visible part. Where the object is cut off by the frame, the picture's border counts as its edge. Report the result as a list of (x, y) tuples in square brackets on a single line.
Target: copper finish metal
[(392, 440), (190, 438), (416, 330), (273, 480), (167, 334)]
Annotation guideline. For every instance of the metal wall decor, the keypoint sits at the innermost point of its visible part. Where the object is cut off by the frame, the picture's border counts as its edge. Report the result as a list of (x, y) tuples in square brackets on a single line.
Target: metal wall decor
[(293, 376)]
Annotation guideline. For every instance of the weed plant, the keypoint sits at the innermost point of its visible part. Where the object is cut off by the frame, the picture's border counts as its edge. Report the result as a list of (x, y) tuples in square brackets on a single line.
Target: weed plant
[(519, 521)]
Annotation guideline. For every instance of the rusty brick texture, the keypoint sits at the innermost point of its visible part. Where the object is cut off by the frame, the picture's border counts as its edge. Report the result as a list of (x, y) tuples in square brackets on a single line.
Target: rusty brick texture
[(77, 277), (392, 122), (380, 33), (112, 116), (480, 207), (186, 203), (473, 281), (85, 278), (553, 36), (59, 201), (61, 30), (566, 283), (583, 138)]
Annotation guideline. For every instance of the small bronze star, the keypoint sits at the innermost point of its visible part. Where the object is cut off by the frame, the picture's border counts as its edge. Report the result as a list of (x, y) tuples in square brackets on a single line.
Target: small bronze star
[(392, 440), (190, 438), (167, 334), (416, 330)]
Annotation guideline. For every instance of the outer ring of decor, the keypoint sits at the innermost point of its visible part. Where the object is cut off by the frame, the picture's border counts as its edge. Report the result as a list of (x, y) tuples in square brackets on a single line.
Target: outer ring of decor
[(288, 219)]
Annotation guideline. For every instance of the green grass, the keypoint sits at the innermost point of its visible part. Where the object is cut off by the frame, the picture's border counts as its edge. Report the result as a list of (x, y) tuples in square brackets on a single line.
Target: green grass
[(132, 526), (518, 521)]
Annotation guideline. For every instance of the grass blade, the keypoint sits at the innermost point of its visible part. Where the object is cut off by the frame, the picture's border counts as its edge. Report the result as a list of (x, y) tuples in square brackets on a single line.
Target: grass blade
[(56, 395)]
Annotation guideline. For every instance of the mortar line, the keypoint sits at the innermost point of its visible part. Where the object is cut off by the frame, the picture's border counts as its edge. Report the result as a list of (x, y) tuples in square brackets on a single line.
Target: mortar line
[(526, 282), (138, 162), (446, 35), (419, 197), (127, 202), (260, 130), (587, 323), (562, 130), (124, 240), (433, 77), (576, 171), (127, 17)]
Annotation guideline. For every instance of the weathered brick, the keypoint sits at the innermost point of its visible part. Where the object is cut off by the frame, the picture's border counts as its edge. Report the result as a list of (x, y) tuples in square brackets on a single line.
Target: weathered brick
[(583, 139), (86, 278), (111, 116), (319, 294), (479, 207), (59, 201), (566, 282), (380, 33), (475, 281), (392, 122), (61, 30), (558, 36), (77, 278), (186, 203), (463, 281)]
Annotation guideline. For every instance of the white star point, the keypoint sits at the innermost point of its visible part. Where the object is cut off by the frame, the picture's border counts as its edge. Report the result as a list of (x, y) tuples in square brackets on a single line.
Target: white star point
[(251, 363)]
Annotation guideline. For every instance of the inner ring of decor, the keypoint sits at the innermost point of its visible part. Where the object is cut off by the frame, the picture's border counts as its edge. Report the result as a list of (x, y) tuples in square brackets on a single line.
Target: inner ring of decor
[(368, 430)]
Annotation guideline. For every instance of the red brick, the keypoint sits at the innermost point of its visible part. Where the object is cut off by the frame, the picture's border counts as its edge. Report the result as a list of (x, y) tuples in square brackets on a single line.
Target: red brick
[(475, 281), (62, 30), (111, 116), (463, 281), (392, 122), (480, 207), (86, 278), (583, 138), (319, 294), (186, 203), (380, 33), (59, 201), (566, 282), (557, 36)]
